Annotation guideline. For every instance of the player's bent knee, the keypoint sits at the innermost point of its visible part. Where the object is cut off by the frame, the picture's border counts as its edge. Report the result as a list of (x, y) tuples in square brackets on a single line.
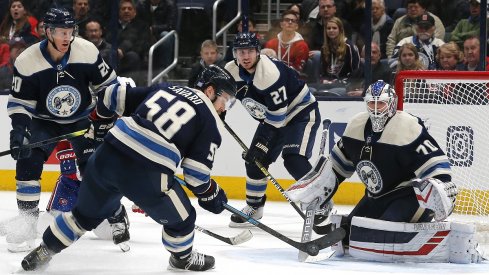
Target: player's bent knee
[(87, 223), (385, 241)]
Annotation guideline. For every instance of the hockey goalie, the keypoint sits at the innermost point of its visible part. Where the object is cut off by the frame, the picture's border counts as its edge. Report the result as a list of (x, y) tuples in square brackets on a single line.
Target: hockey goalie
[(409, 190)]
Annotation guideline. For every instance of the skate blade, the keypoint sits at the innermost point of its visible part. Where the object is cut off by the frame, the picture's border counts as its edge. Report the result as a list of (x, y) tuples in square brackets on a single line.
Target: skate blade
[(21, 247)]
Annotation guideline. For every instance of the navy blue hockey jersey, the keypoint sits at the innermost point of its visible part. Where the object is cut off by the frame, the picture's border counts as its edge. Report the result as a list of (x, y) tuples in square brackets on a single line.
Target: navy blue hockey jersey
[(62, 92), (402, 152), (273, 93), (168, 124)]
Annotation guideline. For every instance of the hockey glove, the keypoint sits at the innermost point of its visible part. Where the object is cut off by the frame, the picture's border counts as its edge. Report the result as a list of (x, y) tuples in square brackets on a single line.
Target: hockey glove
[(99, 126), (19, 136), (257, 152), (212, 199)]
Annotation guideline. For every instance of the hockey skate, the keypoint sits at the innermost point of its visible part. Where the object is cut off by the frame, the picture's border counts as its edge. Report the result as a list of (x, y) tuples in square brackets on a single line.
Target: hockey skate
[(21, 231), (38, 258), (255, 212), (194, 262), (120, 229)]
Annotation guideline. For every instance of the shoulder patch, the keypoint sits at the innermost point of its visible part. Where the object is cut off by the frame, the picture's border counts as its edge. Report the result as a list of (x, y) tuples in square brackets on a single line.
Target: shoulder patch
[(356, 125), (31, 61), (83, 51), (266, 74), (233, 69), (402, 129)]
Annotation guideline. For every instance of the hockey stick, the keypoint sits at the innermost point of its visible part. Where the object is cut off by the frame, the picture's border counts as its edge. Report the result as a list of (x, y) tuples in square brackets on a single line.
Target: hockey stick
[(312, 207), (242, 237), (265, 171), (47, 141), (312, 247)]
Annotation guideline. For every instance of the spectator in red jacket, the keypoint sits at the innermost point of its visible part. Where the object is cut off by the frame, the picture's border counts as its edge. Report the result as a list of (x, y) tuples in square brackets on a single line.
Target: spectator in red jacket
[(289, 44)]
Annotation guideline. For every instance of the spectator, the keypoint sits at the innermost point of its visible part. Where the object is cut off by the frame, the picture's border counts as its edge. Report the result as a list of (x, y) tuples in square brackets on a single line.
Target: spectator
[(404, 26), (289, 44), (161, 17), (424, 41), (19, 23), (450, 12), (380, 71), (208, 55), (4, 52), (269, 52), (81, 10), (408, 59), (339, 57), (472, 55), (40, 30), (381, 26), (315, 27), (133, 38), (449, 57), (469, 26), (94, 34), (16, 46)]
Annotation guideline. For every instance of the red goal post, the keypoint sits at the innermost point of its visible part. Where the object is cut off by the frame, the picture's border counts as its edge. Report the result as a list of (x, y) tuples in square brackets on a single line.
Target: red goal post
[(454, 107)]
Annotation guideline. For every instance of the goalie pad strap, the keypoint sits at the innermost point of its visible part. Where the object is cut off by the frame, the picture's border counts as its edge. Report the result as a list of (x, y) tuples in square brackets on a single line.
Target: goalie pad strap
[(384, 241)]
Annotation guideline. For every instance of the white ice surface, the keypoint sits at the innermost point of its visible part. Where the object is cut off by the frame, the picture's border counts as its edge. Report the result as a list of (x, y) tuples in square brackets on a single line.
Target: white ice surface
[(263, 254)]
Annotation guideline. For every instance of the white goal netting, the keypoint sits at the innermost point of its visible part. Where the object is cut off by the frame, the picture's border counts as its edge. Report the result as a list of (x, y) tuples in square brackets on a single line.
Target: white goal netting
[(454, 107)]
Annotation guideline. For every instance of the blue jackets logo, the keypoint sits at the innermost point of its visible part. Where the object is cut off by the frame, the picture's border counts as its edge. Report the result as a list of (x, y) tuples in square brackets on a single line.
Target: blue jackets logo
[(63, 101)]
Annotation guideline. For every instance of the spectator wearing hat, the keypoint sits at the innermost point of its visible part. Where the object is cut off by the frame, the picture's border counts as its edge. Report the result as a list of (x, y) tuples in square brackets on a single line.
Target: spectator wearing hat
[(424, 40), (16, 46), (468, 27), (405, 25)]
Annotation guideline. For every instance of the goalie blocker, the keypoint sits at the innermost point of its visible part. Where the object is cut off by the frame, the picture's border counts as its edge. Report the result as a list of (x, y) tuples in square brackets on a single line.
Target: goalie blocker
[(433, 242)]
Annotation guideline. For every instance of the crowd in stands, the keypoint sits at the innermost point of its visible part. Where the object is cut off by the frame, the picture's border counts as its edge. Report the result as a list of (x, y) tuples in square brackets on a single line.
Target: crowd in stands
[(323, 40)]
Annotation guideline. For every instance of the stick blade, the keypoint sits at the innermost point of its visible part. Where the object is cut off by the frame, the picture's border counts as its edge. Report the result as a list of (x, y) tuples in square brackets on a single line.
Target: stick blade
[(242, 237), (313, 247)]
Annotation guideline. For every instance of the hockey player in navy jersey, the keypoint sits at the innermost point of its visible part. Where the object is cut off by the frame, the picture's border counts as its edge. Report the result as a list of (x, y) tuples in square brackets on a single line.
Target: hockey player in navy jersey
[(288, 116), (408, 182), (53, 89), (168, 125)]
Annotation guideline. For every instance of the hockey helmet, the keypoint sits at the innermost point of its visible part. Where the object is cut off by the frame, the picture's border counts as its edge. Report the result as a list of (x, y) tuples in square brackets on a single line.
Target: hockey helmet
[(59, 18), (220, 79), (381, 101), (244, 40)]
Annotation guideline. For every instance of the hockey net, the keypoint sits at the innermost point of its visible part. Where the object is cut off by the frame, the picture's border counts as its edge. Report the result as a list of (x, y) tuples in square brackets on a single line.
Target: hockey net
[(454, 107)]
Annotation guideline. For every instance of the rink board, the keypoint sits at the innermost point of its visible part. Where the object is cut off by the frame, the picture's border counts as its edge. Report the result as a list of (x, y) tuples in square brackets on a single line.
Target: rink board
[(229, 168)]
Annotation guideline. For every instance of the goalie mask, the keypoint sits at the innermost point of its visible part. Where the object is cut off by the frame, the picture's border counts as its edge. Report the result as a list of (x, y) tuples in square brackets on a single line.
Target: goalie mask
[(221, 80), (381, 101)]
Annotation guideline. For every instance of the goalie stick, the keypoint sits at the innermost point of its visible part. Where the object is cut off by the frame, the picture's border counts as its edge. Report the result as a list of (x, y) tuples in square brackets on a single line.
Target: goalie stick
[(314, 206), (311, 247), (242, 237), (47, 141), (265, 171)]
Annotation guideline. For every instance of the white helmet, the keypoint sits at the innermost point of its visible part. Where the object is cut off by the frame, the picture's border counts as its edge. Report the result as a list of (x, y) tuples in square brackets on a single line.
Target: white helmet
[(381, 101)]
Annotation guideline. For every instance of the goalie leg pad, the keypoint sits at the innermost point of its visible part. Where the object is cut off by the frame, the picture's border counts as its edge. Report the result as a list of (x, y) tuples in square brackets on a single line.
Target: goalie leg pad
[(65, 194), (339, 247), (385, 241), (319, 182), (437, 196)]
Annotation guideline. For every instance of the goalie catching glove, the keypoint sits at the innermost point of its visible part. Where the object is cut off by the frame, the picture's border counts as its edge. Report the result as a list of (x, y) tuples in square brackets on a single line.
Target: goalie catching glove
[(436, 195), (212, 200)]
